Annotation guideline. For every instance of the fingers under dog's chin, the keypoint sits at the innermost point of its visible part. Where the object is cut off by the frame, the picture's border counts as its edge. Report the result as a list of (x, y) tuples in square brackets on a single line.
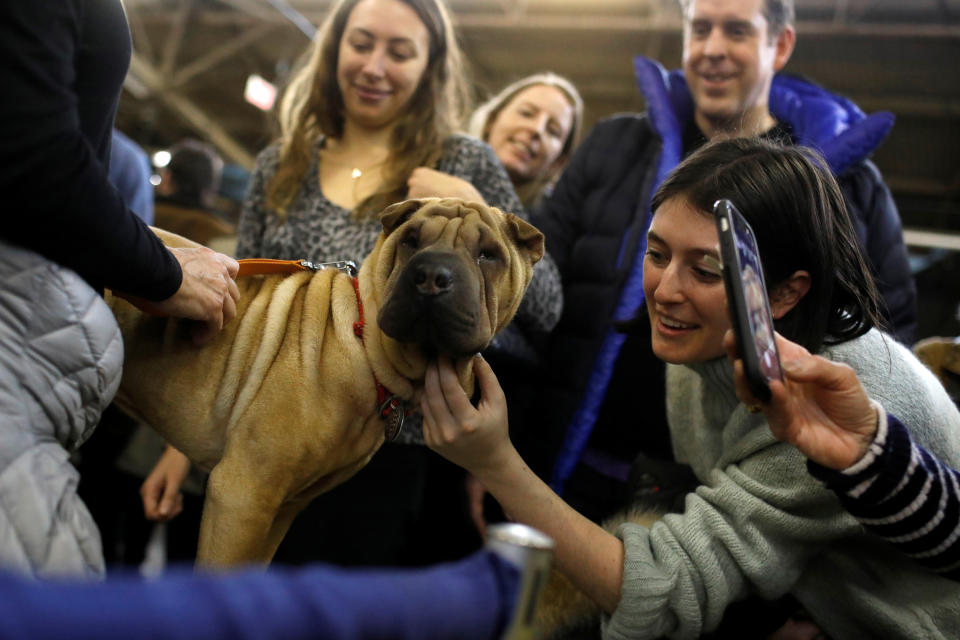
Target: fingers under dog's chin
[(433, 341)]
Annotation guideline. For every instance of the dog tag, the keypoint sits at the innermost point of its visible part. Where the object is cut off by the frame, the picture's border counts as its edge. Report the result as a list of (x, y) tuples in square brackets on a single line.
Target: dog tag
[(393, 417)]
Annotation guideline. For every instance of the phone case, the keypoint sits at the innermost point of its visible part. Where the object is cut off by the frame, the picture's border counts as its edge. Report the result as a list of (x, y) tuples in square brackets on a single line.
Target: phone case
[(747, 299)]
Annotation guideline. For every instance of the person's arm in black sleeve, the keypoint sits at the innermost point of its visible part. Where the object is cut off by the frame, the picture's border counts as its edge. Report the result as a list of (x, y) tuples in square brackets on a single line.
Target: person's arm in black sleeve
[(877, 221), (58, 200)]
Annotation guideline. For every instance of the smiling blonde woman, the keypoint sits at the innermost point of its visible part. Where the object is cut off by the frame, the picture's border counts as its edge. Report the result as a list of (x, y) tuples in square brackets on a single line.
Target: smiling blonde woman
[(533, 126)]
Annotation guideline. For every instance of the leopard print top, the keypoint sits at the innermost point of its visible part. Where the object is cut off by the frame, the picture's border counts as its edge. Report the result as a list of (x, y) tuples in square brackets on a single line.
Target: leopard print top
[(318, 230)]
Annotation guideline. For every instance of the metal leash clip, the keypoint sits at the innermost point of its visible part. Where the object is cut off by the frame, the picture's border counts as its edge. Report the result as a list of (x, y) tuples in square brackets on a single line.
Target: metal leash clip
[(347, 266)]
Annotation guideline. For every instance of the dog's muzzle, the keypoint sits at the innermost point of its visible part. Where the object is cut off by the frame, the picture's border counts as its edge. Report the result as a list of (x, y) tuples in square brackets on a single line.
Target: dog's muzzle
[(435, 304), (433, 277)]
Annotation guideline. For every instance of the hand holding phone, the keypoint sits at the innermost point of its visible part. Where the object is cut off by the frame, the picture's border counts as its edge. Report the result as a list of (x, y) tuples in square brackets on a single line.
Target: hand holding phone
[(747, 299)]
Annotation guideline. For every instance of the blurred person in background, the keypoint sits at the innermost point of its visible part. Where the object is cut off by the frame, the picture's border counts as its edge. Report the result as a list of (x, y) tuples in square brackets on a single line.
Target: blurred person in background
[(187, 193), (130, 173), (533, 125)]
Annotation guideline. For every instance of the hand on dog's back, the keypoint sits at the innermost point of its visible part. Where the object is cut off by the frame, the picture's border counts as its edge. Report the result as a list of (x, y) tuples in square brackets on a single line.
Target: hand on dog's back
[(208, 292)]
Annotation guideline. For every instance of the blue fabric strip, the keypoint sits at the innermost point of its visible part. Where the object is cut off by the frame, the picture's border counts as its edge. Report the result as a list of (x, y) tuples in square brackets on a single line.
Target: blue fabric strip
[(471, 599), (652, 79)]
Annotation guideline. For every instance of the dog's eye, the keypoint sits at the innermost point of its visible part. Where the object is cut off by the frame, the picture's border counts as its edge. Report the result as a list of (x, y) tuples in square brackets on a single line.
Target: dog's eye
[(488, 255), (410, 240)]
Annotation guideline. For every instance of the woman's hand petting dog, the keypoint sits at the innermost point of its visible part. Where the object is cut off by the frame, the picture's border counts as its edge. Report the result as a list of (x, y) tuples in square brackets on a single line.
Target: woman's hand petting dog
[(207, 293)]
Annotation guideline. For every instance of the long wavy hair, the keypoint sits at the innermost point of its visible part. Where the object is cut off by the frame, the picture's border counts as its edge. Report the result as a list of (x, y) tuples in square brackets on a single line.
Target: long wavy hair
[(798, 215), (486, 114), (312, 105)]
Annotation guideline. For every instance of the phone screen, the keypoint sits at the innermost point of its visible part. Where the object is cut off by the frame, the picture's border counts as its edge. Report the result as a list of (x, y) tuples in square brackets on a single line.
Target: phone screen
[(747, 299)]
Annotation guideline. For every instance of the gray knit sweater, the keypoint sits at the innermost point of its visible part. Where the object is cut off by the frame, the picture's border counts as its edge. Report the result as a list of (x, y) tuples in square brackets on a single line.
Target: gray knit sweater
[(761, 524)]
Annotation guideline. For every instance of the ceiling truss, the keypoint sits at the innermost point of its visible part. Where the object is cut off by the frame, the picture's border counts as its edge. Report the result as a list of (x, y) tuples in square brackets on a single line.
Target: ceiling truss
[(161, 29)]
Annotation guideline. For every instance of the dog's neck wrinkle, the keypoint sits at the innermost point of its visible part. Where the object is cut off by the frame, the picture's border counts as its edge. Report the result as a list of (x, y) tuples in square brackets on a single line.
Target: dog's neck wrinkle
[(397, 367), (507, 309), (401, 367)]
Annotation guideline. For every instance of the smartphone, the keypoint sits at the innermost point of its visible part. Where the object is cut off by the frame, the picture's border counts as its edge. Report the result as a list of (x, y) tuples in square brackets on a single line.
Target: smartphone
[(747, 299)]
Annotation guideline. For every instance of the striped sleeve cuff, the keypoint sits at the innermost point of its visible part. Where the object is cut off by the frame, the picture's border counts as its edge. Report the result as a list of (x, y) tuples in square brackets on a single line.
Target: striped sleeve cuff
[(887, 456), (906, 496)]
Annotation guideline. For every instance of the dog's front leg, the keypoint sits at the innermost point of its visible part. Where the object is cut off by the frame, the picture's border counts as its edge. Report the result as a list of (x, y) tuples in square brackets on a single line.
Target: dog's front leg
[(240, 516)]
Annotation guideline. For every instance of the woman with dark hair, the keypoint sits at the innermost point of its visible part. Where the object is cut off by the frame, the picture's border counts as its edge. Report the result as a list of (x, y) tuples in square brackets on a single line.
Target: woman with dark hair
[(758, 523)]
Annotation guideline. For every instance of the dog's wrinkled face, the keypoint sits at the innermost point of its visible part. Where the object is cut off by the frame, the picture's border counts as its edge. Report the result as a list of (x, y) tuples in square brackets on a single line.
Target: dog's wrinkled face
[(455, 273)]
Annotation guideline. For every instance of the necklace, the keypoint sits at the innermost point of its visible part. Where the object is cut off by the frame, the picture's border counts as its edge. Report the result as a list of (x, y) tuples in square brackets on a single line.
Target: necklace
[(357, 172)]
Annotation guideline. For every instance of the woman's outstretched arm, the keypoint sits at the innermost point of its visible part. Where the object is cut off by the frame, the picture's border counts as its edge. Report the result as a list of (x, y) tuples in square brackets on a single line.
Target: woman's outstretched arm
[(477, 439)]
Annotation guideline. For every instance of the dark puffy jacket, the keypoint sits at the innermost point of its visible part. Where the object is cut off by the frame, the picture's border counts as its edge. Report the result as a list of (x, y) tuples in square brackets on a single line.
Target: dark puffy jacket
[(595, 223)]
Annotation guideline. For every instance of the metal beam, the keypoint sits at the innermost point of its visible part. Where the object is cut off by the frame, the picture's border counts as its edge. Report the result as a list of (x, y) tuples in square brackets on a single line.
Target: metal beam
[(175, 39), (927, 187), (205, 125), (187, 72), (910, 106), (251, 9), (931, 239), (306, 27), (514, 9), (141, 40), (645, 26), (631, 24)]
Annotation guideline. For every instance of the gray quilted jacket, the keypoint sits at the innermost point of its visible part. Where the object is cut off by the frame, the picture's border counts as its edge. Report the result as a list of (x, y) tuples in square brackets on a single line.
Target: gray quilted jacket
[(60, 361)]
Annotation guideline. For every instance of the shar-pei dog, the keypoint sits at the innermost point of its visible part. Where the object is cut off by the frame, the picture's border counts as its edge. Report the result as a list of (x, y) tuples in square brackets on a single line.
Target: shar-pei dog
[(293, 397)]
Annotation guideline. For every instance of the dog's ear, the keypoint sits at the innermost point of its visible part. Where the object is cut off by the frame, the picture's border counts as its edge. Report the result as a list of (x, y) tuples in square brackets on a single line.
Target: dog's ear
[(527, 237), (396, 214)]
